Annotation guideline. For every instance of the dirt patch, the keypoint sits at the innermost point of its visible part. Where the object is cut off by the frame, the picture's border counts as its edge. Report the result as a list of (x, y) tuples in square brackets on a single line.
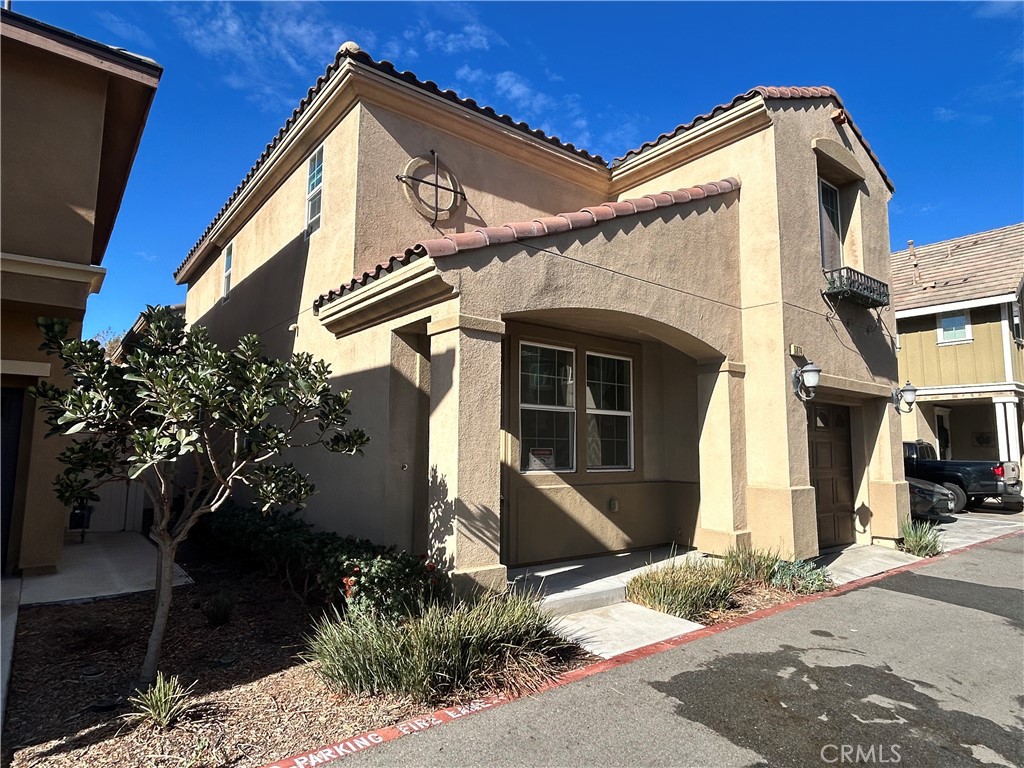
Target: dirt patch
[(256, 701), (751, 598)]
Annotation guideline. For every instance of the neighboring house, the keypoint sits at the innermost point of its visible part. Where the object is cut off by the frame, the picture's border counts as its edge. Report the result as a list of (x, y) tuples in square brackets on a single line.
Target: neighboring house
[(72, 113), (958, 315), (568, 384)]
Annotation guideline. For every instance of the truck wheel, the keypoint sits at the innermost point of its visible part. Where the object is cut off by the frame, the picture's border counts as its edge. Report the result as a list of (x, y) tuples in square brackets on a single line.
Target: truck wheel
[(959, 497)]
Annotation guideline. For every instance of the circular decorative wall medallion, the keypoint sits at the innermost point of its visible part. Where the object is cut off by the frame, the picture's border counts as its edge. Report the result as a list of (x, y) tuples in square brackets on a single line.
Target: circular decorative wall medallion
[(431, 187)]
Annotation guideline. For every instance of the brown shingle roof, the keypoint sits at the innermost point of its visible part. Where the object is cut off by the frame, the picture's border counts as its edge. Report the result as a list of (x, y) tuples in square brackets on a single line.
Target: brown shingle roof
[(766, 92), (969, 267), (516, 231)]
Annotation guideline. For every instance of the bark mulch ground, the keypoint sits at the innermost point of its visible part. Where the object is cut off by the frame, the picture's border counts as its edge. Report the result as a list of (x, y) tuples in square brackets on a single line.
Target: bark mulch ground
[(751, 598), (74, 665)]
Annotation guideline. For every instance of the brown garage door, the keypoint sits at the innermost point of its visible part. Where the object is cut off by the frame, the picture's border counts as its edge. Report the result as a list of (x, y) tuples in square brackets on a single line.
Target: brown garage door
[(831, 472)]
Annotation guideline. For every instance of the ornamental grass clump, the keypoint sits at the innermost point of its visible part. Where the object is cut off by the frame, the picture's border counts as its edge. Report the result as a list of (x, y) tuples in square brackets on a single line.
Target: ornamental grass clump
[(750, 565), (691, 589), (162, 704), (921, 538), (493, 643)]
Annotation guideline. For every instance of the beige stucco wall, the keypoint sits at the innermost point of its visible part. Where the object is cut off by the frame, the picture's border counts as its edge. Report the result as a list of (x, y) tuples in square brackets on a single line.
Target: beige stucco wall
[(925, 362)]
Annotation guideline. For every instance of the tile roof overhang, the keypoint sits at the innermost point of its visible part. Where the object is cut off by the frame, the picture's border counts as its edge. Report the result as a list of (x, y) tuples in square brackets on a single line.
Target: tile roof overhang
[(591, 216), (982, 265)]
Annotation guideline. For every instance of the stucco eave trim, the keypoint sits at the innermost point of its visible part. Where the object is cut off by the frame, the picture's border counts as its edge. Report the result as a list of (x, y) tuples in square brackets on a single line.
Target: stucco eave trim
[(15, 264), (415, 286), (969, 390), (955, 306), (732, 125), (31, 368), (844, 385)]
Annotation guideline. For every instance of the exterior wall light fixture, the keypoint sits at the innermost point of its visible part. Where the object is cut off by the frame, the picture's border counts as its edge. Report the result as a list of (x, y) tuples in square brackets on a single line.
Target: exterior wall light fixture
[(805, 380), (908, 395)]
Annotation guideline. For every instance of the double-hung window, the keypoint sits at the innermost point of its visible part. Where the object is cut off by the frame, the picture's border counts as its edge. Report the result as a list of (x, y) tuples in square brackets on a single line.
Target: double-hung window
[(229, 253), (830, 225), (547, 408), (314, 191), (609, 412)]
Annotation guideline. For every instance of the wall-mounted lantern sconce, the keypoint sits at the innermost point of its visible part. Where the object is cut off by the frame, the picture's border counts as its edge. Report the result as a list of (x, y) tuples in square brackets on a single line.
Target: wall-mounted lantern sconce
[(908, 395), (805, 380)]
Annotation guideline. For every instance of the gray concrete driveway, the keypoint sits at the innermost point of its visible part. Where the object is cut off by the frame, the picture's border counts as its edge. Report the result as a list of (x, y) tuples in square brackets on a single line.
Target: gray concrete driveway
[(922, 668)]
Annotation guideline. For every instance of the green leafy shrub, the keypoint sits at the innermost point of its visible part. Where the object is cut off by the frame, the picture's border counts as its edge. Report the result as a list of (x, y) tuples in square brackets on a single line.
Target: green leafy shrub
[(495, 642), (801, 577), (750, 565), (163, 703), (218, 610), (921, 538), (690, 589), (351, 574)]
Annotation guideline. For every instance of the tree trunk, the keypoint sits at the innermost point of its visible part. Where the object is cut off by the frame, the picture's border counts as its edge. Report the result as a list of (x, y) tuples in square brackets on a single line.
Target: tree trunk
[(164, 583)]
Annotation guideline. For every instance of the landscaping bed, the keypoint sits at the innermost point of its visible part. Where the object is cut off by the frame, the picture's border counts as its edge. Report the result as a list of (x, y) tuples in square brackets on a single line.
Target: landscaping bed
[(255, 699)]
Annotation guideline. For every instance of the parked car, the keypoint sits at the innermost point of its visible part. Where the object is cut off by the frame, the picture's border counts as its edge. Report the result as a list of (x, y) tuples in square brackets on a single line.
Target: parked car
[(927, 499), (970, 482)]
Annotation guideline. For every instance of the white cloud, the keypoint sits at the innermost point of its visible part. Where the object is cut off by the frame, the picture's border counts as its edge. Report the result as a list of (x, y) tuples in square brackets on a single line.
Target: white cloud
[(999, 9), (946, 115), (272, 50), (125, 31), (471, 36)]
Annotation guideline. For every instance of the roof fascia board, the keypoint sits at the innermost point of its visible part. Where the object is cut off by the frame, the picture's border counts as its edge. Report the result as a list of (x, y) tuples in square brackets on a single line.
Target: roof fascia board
[(68, 271), (78, 49), (955, 306), (415, 286), (971, 389), (730, 126)]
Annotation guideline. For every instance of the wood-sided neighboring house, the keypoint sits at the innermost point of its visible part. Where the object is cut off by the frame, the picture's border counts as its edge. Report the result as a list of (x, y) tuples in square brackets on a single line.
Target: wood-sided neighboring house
[(556, 356), (958, 317)]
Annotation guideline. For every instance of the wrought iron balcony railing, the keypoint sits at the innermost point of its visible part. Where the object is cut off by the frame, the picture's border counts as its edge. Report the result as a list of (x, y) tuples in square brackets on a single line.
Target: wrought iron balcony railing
[(848, 283)]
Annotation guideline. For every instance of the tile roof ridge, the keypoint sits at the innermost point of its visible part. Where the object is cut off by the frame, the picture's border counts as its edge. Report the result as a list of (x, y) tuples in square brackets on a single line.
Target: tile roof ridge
[(482, 237)]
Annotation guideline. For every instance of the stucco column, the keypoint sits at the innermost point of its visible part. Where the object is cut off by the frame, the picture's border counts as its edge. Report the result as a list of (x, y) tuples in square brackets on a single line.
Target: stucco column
[(722, 520), (1007, 428), (465, 449), (881, 514)]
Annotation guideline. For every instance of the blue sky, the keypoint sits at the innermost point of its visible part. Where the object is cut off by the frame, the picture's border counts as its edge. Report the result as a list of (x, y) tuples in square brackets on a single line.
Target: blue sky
[(936, 88)]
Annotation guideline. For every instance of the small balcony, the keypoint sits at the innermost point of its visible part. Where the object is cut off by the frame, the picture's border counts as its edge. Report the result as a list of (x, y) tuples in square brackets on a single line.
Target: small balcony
[(848, 283)]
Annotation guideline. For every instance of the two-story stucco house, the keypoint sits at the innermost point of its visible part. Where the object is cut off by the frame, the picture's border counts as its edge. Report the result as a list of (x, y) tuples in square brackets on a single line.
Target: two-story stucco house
[(556, 356), (72, 113), (958, 314)]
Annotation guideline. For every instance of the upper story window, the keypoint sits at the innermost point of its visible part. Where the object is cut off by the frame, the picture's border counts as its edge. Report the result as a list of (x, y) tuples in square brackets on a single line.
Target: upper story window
[(314, 191), (830, 225), (954, 327), (1018, 332), (229, 253)]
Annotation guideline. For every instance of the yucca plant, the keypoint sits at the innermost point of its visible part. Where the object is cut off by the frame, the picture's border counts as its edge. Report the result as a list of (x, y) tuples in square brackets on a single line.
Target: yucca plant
[(162, 703), (921, 538), (802, 577)]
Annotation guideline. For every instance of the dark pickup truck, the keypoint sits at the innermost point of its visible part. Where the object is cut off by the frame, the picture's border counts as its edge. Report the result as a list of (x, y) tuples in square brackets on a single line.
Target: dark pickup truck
[(970, 482)]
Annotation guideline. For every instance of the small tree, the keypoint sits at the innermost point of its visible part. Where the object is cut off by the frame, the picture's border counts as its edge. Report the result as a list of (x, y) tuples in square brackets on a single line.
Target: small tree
[(179, 400)]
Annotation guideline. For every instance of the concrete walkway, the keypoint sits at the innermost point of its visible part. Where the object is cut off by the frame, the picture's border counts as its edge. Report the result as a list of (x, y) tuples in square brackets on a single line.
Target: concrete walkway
[(616, 629)]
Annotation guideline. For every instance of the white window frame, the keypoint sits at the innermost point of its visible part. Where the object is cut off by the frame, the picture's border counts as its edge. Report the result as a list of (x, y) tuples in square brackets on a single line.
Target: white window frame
[(838, 223), (1016, 326), (313, 223), (573, 409), (968, 333), (630, 467), (229, 263)]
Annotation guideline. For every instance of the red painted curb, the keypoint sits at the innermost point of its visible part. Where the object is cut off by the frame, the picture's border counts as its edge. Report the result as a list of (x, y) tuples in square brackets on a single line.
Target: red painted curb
[(332, 752)]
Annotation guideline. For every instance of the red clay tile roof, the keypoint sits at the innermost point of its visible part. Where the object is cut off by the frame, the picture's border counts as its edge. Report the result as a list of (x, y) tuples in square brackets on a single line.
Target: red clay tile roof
[(766, 92), (516, 231), (970, 267)]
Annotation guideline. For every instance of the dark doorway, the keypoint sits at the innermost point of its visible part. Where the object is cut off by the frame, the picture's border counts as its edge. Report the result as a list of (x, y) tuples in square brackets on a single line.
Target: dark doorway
[(11, 405), (831, 467)]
